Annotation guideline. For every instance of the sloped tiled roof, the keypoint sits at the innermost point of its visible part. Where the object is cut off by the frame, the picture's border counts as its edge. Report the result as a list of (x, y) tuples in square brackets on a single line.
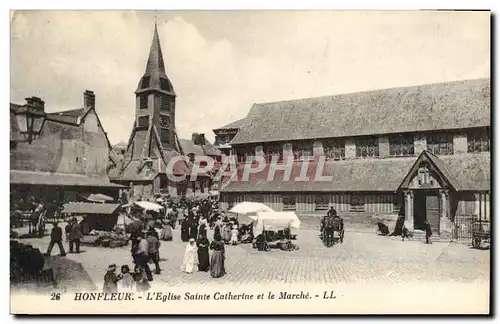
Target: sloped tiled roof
[(452, 105), (233, 125), (90, 208), (67, 116), (472, 172)]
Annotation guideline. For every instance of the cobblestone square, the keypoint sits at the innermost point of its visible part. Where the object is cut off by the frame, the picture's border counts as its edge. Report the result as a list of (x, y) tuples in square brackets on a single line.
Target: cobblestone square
[(362, 258)]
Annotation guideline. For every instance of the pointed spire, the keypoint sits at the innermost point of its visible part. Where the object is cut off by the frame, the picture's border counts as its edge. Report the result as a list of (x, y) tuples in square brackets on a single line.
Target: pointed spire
[(155, 68)]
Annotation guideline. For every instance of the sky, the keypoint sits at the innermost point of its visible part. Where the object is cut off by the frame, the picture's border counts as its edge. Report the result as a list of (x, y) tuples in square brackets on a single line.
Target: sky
[(222, 62)]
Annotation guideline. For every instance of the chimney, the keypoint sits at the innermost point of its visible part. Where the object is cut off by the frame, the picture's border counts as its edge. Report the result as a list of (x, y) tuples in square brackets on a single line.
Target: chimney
[(88, 99)]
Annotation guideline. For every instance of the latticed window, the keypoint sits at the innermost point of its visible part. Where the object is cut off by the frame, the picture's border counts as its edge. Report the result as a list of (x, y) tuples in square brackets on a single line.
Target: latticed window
[(357, 204), (367, 147), (143, 121), (401, 145), (242, 153), (440, 143), (143, 102), (397, 201), (302, 150), (166, 103), (334, 149), (273, 152), (289, 202), (322, 202), (478, 140)]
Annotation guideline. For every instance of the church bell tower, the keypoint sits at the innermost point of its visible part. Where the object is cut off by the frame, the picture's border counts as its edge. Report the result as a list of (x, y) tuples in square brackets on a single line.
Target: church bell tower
[(155, 98)]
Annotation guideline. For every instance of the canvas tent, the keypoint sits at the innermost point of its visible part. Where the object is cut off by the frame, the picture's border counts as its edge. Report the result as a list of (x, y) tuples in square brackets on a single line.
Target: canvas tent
[(147, 205), (275, 221), (248, 207)]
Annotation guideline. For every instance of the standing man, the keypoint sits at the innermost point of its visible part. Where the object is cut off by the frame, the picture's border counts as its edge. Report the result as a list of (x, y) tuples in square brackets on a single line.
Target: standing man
[(428, 232), (75, 235), (140, 255), (153, 250), (56, 238)]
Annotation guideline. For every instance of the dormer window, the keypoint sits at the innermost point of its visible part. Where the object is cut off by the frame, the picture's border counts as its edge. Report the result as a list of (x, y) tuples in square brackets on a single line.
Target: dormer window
[(165, 84), (145, 82)]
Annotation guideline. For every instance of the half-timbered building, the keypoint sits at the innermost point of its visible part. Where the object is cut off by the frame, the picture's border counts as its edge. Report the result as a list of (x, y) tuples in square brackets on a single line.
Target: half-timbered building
[(70, 154), (422, 151)]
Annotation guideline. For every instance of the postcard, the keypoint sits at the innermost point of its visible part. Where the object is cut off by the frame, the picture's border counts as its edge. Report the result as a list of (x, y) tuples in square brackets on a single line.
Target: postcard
[(250, 162)]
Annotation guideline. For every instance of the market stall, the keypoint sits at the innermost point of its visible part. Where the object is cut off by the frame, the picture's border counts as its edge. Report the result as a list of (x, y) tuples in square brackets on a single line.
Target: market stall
[(98, 223), (275, 227)]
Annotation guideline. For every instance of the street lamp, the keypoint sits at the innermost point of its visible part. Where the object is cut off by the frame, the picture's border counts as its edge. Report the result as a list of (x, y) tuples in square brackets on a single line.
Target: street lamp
[(29, 119)]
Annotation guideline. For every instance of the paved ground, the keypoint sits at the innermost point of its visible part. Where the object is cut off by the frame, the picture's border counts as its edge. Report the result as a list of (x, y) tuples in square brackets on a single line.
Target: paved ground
[(363, 257)]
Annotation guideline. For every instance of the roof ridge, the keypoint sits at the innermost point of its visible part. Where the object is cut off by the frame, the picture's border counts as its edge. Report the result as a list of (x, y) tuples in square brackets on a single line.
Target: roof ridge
[(368, 91)]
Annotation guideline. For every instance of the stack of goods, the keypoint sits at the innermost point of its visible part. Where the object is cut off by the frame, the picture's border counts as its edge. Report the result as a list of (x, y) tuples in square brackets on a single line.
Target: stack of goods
[(26, 263), (110, 239)]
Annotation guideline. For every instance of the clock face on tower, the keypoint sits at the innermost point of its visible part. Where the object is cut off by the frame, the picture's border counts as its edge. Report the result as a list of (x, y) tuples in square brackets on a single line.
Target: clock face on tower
[(164, 121)]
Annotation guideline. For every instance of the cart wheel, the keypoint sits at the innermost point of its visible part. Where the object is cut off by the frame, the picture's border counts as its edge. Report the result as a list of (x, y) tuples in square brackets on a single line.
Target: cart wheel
[(476, 242), (342, 237)]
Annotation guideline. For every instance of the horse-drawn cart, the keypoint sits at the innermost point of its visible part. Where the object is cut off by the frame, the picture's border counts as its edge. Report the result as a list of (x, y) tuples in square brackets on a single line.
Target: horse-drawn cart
[(333, 231), (481, 233)]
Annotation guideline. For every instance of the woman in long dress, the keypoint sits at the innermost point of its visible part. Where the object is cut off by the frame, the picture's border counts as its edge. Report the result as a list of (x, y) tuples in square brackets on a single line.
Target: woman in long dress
[(193, 231), (226, 232), (203, 256), (190, 257), (217, 228), (203, 227), (185, 230), (217, 261), (166, 232)]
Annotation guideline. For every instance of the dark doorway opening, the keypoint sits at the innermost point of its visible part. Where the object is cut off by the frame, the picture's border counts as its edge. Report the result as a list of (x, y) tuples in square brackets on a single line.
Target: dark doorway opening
[(426, 207)]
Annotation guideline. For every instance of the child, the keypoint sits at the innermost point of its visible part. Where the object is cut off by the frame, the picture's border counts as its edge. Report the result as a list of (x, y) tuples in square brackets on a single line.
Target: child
[(234, 235), (110, 280), (141, 281), (125, 280)]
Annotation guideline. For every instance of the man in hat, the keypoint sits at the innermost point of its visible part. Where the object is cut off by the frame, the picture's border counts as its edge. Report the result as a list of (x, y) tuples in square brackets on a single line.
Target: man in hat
[(56, 238), (75, 236)]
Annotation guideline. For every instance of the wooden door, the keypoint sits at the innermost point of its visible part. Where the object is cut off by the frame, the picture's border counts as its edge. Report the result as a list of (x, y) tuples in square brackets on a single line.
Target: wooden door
[(432, 206)]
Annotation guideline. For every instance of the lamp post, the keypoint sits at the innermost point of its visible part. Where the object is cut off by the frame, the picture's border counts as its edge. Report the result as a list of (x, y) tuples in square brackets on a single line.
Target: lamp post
[(29, 119)]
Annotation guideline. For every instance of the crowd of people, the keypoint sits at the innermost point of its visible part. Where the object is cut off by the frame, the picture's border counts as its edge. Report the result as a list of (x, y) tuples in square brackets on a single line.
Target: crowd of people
[(195, 218)]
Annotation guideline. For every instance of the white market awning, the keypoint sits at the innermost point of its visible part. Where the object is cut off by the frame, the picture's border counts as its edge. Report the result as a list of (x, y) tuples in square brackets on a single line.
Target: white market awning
[(147, 205), (248, 207)]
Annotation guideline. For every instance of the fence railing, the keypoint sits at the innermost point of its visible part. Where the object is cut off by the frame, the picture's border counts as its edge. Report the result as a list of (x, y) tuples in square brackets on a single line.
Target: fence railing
[(463, 227)]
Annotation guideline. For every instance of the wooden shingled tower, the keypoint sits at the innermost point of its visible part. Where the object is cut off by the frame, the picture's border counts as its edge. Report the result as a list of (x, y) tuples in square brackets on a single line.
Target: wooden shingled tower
[(153, 140)]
